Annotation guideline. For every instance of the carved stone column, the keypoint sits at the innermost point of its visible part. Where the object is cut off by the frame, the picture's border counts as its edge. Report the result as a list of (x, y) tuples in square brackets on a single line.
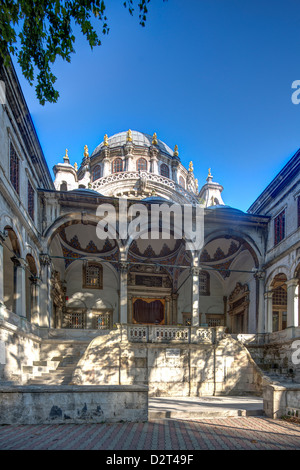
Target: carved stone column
[(123, 292), (260, 282), (45, 297), (105, 162), (174, 310), (35, 300), (153, 160), (292, 302), (19, 286), (128, 150), (3, 236), (268, 312), (195, 271)]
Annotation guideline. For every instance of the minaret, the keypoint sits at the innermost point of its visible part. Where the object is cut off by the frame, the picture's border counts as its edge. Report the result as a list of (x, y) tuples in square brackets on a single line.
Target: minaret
[(210, 193)]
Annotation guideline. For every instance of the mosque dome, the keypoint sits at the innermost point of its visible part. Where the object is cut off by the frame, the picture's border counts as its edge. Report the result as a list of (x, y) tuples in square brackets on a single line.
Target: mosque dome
[(139, 139)]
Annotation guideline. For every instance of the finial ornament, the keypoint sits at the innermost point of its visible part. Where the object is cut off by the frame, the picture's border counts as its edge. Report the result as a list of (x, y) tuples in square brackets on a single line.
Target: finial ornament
[(75, 166), (154, 139), (105, 140), (209, 173), (86, 151), (66, 157), (129, 136), (191, 168), (175, 151)]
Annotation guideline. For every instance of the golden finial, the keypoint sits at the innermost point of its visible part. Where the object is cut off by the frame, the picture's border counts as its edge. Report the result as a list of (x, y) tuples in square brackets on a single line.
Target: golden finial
[(66, 157), (154, 139), (86, 151), (75, 166), (209, 173), (196, 183), (191, 169), (175, 151), (129, 136), (105, 140)]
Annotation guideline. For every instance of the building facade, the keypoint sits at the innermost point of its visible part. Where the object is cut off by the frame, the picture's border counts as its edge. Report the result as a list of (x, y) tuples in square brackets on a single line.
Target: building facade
[(56, 273)]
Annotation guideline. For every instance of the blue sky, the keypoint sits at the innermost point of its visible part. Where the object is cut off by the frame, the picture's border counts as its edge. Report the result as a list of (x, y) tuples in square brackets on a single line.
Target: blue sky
[(212, 76)]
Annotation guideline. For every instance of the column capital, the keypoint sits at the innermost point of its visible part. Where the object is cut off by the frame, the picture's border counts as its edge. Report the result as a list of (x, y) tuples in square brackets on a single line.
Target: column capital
[(259, 275), (45, 259), (268, 295), (293, 282), (195, 270)]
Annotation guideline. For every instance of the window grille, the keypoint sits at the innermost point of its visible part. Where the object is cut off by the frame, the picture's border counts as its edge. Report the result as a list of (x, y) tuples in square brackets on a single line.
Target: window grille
[(76, 320), (103, 321), (182, 182), (141, 164), (117, 165), (14, 168), (30, 200), (96, 173), (204, 283), (93, 276), (164, 170), (279, 228)]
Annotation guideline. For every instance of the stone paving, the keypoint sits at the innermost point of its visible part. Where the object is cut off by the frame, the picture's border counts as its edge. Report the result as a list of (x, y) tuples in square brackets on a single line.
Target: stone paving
[(228, 433)]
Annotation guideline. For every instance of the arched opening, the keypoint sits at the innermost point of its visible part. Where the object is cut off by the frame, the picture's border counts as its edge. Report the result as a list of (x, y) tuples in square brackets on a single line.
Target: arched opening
[(63, 186), (31, 279), (96, 173), (164, 170), (279, 302), (11, 253), (141, 164), (84, 281), (182, 181), (117, 165)]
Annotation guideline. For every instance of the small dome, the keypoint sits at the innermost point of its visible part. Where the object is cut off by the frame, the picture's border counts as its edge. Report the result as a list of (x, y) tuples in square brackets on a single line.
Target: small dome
[(85, 192), (224, 207), (155, 199), (138, 138)]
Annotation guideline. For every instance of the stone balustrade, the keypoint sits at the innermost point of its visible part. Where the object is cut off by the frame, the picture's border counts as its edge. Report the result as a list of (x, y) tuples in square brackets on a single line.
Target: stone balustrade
[(169, 333)]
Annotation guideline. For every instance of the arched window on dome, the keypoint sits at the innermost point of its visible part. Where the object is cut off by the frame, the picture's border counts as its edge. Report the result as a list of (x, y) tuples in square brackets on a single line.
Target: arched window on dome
[(141, 164), (96, 172), (164, 170), (117, 165), (182, 181)]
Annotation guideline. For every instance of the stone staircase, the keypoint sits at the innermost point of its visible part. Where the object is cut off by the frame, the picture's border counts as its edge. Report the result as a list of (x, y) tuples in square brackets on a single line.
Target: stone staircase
[(56, 366)]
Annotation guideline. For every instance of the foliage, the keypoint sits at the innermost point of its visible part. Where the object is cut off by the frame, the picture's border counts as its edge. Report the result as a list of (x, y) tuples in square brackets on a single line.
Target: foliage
[(37, 32)]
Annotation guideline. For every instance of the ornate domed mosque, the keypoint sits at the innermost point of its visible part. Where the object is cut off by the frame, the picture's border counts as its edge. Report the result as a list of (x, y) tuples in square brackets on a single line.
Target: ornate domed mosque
[(127, 275)]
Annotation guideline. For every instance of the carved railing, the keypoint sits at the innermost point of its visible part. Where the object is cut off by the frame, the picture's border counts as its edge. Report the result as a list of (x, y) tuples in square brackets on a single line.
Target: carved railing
[(135, 175), (172, 334)]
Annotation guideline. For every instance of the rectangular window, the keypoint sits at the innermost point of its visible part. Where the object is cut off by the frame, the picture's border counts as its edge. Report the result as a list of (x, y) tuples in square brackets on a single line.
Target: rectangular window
[(92, 276), (279, 228), (30, 200), (14, 167)]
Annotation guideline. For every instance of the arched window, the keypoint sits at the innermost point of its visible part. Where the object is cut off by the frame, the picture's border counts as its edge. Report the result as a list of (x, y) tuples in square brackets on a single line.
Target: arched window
[(14, 168), (182, 182), (96, 172), (204, 284), (117, 165), (141, 164), (92, 276), (164, 170), (279, 302), (63, 186)]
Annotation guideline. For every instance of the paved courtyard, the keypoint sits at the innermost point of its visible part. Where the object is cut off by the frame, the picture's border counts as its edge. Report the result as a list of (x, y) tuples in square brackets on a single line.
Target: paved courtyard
[(228, 433)]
